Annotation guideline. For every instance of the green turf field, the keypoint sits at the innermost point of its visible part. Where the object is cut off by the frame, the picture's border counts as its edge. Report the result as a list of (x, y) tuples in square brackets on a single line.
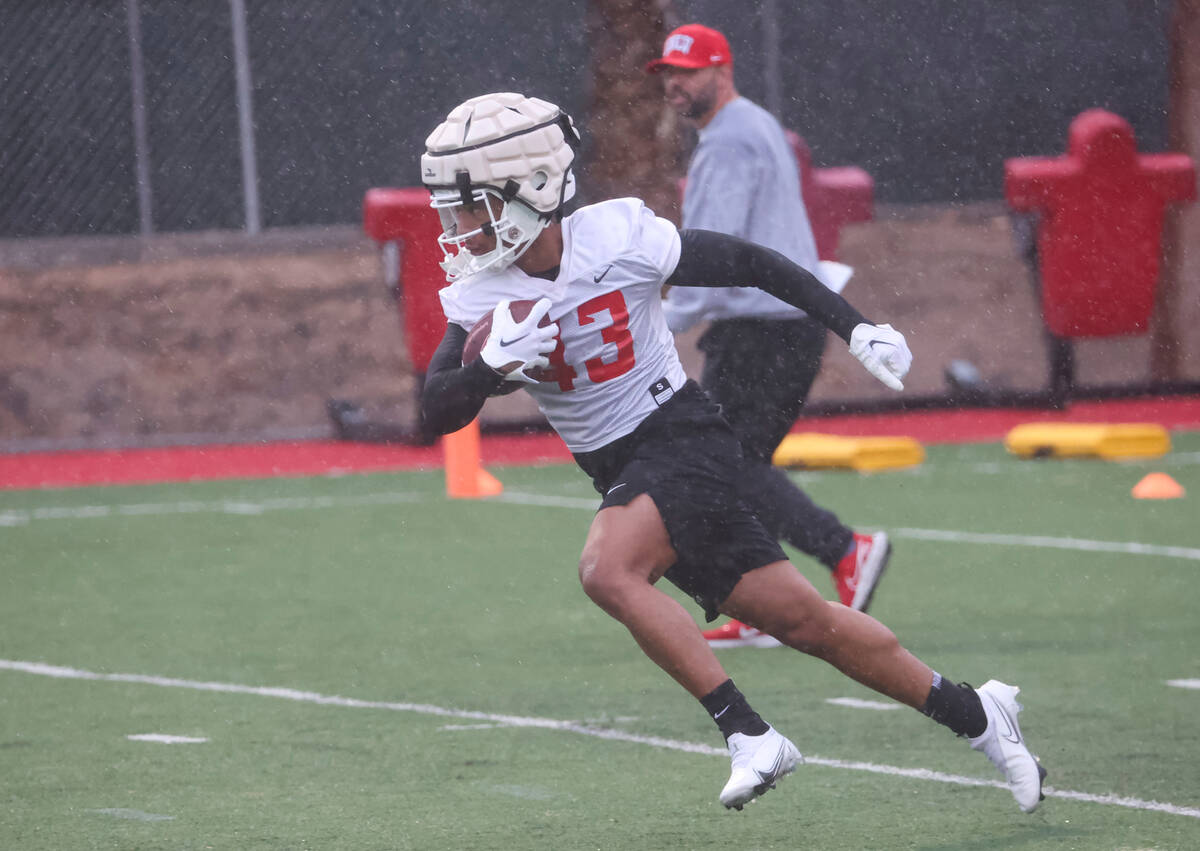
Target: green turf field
[(372, 666)]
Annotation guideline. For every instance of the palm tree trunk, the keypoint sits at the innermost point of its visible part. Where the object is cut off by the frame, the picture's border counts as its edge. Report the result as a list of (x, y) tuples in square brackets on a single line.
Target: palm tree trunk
[(1181, 268), (632, 139)]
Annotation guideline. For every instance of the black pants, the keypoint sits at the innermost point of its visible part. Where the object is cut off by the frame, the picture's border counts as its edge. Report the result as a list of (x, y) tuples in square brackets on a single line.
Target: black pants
[(760, 371), (687, 458)]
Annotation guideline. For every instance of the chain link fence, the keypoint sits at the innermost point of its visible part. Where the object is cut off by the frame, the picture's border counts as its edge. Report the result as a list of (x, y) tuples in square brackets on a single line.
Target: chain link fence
[(126, 116), (139, 116)]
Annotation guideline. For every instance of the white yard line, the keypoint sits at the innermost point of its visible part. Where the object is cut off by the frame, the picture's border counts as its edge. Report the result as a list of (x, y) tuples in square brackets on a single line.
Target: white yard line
[(610, 734), (948, 535), (859, 703), (586, 503), (1183, 458), (133, 815), (1047, 541), (25, 516)]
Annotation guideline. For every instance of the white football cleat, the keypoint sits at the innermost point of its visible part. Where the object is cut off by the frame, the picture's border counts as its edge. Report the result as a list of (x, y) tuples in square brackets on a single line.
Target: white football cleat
[(758, 762), (1004, 745)]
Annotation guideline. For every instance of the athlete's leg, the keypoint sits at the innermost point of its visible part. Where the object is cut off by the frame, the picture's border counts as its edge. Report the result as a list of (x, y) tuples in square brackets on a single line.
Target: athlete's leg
[(759, 372), (779, 600), (626, 552), (776, 598), (791, 516)]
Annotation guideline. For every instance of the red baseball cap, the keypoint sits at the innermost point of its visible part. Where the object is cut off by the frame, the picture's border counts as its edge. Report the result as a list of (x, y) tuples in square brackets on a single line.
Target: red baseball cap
[(693, 46)]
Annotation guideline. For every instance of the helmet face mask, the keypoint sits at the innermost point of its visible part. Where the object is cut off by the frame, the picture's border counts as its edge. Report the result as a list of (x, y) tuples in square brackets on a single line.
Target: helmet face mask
[(511, 225), (502, 163)]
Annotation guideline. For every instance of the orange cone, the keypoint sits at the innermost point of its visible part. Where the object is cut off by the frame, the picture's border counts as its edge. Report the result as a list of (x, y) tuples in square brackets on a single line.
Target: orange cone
[(1158, 486), (465, 476)]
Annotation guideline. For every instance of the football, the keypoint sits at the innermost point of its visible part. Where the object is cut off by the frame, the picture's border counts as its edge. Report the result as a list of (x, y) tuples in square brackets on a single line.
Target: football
[(479, 334)]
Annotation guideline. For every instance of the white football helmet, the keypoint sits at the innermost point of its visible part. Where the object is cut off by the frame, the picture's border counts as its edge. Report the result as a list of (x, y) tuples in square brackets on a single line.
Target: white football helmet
[(512, 154)]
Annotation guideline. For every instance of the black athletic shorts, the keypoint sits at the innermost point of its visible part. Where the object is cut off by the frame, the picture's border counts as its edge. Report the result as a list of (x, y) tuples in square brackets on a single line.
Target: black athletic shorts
[(687, 458)]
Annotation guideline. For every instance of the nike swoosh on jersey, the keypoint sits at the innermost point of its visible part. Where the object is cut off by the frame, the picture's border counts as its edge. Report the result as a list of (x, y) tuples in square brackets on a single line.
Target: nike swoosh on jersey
[(614, 487), (598, 278)]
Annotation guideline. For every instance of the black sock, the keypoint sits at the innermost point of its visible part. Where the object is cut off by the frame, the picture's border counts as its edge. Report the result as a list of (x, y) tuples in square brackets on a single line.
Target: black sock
[(956, 706), (846, 550), (728, 707)]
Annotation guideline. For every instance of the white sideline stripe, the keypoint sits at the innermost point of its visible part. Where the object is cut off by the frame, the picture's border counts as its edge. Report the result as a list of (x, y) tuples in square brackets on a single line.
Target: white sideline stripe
[(23, 517), (859, 703), (59, 672), (1044, 541), (134, 815), (165, 739), (521, 498), (1184, 683), (1127, 547)]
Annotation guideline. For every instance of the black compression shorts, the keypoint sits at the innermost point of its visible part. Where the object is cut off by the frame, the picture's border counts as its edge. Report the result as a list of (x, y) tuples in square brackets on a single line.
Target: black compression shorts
[(686, 457)]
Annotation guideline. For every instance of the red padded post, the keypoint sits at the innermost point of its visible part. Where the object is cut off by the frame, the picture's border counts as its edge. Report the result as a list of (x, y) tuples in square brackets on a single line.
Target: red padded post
[(834, 197), (403, 216), (1099, 235)]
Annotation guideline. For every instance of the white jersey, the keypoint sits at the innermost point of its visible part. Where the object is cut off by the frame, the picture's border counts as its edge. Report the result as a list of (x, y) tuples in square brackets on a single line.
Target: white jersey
[(615, 361)]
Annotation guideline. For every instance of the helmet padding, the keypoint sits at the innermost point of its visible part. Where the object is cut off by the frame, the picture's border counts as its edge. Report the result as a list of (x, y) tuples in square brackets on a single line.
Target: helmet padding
[(518, 151)]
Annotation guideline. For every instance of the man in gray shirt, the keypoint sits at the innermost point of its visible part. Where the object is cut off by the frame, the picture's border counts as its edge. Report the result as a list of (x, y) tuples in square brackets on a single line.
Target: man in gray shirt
[(761, 354)]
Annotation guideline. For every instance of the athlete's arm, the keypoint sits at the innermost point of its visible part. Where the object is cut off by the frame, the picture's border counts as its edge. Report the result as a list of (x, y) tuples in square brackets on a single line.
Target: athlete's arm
[(454, 393), (711, 259)]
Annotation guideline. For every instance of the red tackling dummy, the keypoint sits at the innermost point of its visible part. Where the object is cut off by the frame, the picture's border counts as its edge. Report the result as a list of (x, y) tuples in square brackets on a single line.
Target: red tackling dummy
[(478, 336)]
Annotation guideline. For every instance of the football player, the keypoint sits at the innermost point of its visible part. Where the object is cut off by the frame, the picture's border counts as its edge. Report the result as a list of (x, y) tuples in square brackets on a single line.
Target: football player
[(500, 169)]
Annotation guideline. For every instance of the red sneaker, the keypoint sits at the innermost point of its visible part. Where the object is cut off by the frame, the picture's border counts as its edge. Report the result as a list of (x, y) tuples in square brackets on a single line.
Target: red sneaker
[(738, 634), (858, 573)]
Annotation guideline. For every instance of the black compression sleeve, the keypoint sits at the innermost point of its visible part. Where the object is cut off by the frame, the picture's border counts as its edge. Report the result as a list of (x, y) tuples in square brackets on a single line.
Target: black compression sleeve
[(711, 259), (454, 393)]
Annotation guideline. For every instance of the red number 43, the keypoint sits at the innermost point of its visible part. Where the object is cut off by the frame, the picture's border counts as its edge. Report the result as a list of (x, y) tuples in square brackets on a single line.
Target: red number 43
[(617, 332)]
